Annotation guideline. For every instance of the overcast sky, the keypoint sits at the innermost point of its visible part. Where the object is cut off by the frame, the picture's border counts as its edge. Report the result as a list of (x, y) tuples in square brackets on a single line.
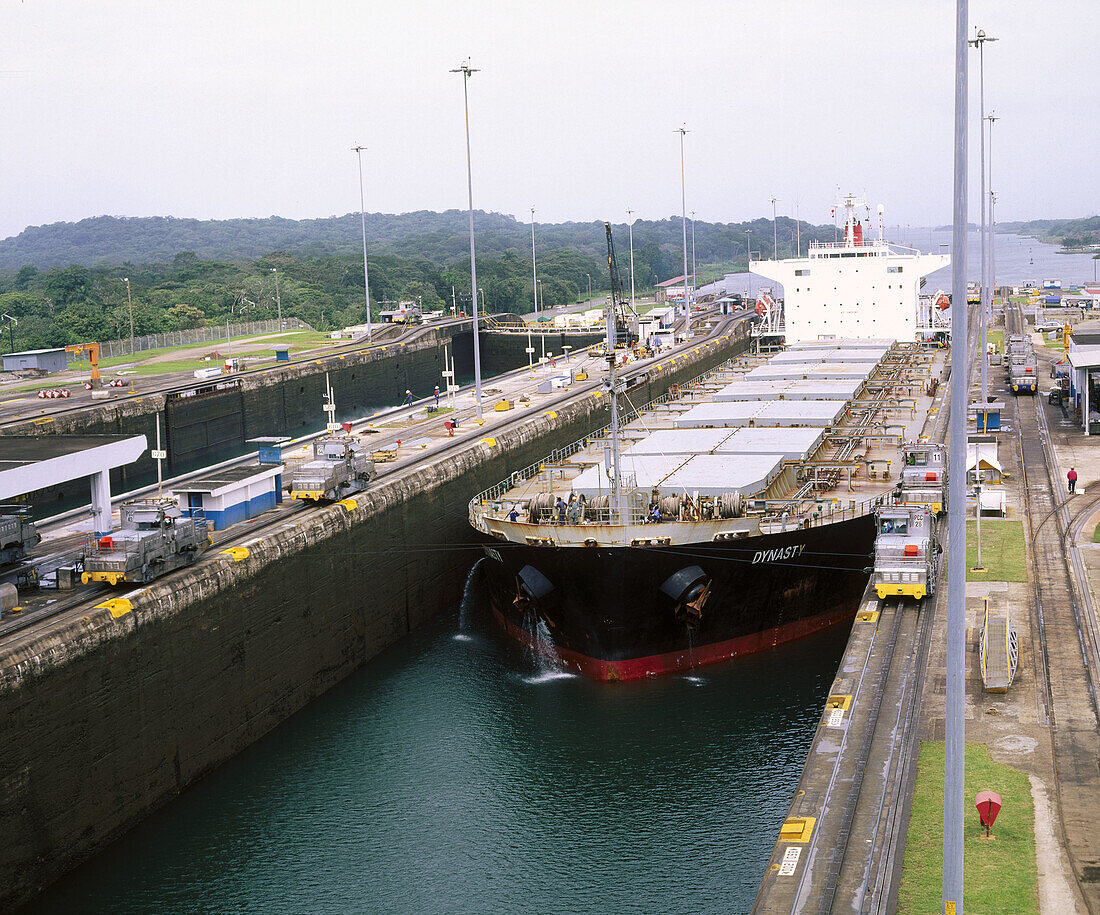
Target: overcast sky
[(227, 109)]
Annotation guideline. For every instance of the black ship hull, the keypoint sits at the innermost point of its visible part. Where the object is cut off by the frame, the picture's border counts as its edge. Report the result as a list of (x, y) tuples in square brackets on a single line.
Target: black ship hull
[(628, 612)]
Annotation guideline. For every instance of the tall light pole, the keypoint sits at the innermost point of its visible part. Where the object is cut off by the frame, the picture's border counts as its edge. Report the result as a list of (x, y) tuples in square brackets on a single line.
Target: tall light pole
[(630, 213), (694, 285), (130, 305), (954, 719), (278, 300), (978, 42), (589, 275), (797, 231), (466, 72), (748, 258), (682, 130), (775, 232), (992, 118), (363, 221), (535, 285)]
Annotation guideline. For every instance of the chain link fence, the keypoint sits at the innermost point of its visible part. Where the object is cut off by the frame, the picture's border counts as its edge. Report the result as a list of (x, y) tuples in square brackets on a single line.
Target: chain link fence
[(214, 334)]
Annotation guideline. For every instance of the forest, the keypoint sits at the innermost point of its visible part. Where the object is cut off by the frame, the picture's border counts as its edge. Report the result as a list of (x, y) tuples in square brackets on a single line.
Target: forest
[(70, 283), (1069, 233)]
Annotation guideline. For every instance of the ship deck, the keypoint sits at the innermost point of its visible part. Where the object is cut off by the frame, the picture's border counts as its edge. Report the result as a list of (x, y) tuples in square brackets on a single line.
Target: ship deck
[(798, 456)]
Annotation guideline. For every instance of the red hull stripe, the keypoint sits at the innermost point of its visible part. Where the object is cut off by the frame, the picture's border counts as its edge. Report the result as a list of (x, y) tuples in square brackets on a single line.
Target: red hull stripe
[(673, 661)]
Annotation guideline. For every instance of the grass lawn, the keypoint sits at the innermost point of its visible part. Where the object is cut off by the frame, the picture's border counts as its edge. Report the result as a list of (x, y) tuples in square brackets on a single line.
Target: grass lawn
[(1096, 534), (997, 338), (999, 875), (1003, 553), (301, 339)]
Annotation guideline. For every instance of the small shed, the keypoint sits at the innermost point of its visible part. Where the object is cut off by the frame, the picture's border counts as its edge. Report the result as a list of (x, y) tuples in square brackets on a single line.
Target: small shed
[(981, 459), (282, 352), (41, 360), (232, 495), (986, 417)]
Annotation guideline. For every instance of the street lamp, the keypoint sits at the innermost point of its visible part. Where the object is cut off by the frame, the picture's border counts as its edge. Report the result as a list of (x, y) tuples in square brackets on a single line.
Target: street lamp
[(130, 305), (279, 301), (992, 118), (682, 130), (775, 232), (589, 275), (630, 213), (11, 328), (363, 221), (693, 282), (978, 42), (535, 285), (748, 258), (466, 72)]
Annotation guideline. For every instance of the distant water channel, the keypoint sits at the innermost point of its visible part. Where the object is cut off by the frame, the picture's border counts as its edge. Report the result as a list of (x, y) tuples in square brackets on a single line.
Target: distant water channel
[(457, 774)]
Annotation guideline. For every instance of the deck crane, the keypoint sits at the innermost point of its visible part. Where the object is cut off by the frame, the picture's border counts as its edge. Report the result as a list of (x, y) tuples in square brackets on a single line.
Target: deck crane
[(626, 331)]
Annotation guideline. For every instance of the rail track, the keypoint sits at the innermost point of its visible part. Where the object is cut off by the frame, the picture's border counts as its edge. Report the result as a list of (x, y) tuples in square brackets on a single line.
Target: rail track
[(1064, 644)]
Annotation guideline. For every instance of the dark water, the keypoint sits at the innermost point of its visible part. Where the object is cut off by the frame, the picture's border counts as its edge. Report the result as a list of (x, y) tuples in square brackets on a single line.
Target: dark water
[(454, 774)]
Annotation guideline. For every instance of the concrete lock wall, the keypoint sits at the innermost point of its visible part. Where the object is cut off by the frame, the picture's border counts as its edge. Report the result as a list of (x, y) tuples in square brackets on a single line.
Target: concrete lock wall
[(215, 424), (109, 715)]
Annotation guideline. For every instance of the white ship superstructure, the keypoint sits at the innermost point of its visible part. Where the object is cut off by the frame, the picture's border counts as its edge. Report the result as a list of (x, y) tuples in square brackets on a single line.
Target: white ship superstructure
[(857, 288)]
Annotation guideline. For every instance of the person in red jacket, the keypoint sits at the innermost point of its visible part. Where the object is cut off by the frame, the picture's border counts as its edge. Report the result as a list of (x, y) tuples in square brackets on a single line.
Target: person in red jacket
[(1072, 478)]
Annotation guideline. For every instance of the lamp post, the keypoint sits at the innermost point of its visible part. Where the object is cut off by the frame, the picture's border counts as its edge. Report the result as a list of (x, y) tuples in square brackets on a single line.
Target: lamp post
[(466, 72), (11, 328), (589, 275), (693, 281), (954, 711), (130, 305), (978, 42), (279, 301), (682, 130), (748, 258), (363, 221), (775, 231), (535, 285), (630, 213), (992, 118)]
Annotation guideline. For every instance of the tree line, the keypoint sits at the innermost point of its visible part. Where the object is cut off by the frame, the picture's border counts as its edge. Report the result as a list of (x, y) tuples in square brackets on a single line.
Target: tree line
[(422, 257)]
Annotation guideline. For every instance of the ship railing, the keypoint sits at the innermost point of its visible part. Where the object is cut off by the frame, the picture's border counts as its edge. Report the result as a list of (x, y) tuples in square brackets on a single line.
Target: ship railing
[(561, 455), (803, 512)]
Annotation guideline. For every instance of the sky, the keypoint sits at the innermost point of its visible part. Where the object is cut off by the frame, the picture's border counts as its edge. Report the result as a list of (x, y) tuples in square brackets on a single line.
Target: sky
[(236, 109)]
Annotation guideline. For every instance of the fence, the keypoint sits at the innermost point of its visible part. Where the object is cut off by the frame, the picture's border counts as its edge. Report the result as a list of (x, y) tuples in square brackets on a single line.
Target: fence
[(212, 334)]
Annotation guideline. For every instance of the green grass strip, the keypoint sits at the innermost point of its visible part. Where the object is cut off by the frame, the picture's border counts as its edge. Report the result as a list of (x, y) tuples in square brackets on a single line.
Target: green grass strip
[(999, 875), (1003, 555)]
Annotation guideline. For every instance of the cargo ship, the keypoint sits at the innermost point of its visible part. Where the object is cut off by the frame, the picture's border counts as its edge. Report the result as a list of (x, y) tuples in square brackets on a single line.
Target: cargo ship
[(731, 515)]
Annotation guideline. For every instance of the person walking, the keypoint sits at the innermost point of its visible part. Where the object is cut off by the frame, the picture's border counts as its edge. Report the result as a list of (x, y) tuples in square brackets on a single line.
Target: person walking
[(437, 397), (1071, 478), (408, 398)]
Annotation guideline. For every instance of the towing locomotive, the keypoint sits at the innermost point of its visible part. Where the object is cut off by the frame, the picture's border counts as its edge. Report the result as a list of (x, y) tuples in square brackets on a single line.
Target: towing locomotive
[(17, 534), (155, 539), (340, 466), (924, 476), (907, 554)]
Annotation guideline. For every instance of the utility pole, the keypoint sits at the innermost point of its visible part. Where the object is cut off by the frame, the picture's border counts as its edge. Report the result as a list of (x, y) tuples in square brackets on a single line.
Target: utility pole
[(979, 42), (630, 213), (466, 72), (358, 150), (279, 301), (130, 305), (954, 718), (992, 118), (11, 331), (682, 130), (694, 283), (775, 232), (535, 288)]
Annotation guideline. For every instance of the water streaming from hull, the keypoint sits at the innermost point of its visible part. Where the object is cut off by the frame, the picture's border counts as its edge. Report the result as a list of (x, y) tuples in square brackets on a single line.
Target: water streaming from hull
[(463, 634)]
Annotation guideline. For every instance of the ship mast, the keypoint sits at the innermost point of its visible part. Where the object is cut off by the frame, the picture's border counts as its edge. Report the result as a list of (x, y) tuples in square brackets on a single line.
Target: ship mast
[(611, 384)]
